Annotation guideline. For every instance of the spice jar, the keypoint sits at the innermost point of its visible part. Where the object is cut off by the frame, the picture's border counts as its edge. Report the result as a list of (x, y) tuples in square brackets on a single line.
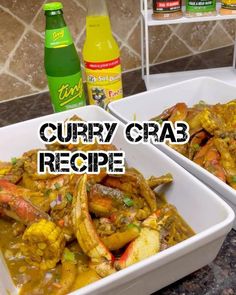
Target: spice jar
[(228, 7), (167, 9), (200, 8)]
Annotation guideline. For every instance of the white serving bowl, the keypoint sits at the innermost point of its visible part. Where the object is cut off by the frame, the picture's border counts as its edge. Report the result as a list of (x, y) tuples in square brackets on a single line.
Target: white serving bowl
[(205, 212), (147, 105)]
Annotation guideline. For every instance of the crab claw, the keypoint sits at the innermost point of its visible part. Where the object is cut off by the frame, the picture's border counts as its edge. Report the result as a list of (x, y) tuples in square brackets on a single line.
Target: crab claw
[(20, 209), (101, 258), (133, 182), (144, 246), (176, 113)]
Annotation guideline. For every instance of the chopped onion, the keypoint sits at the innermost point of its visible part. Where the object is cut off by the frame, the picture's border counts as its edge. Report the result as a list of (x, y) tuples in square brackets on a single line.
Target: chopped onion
[(48, 276), (53, 204), (59, 198)]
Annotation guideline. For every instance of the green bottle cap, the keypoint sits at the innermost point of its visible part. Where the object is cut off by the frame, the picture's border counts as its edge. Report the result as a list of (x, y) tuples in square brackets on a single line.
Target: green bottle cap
[(52, 6)]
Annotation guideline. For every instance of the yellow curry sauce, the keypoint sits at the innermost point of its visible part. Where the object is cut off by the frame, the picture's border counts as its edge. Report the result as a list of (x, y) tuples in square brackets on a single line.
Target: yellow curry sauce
[(32, 280), (62, 232)]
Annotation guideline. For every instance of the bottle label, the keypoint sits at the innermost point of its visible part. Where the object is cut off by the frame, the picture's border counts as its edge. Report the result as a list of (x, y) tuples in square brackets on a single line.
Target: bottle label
[(201, 6), (104, 82), (166, 6), (58, 38), (67, 92), (228, 4)]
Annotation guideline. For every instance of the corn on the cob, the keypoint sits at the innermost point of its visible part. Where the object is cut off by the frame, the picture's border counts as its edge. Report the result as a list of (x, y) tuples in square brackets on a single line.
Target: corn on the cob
[(43, 243)]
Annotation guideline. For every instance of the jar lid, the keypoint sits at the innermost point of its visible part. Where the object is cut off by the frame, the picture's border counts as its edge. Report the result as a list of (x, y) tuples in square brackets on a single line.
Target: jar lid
[(52, 6)]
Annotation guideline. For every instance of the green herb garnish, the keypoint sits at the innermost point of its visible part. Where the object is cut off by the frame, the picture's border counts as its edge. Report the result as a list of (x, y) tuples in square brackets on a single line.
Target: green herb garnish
[(48, 192), (196, 146), (13, 161), (234, 178), (57, 185), (69, 256), (69, 197), (128, 202), (132, 225), (88, 188)]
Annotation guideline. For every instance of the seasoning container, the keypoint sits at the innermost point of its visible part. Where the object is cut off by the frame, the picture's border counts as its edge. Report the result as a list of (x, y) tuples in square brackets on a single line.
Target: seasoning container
[(228, 7), (167, 9), (200, 8), (101, 55), (62, 63)]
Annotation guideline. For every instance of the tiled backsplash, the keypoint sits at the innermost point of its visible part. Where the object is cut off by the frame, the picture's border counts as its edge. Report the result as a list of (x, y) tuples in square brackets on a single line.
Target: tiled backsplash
[(22, 40)]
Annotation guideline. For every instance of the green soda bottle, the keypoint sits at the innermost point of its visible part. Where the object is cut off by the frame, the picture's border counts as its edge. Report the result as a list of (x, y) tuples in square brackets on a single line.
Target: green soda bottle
[(62, 63)]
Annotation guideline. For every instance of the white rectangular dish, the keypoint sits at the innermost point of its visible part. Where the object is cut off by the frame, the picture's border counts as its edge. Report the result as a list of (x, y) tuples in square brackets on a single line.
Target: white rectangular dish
[(205, 212), (149, 104)]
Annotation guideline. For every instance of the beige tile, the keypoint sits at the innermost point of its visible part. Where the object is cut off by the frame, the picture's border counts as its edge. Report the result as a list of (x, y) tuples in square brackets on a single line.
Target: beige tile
[(10, 32), (80, 43), (74, 16), (39, 23), (82, 2), (174, 27), (25, 9), (218, 38), (135, 38), (27, 62), (157, 40), (158, 36), (230, 27), (11, 87), (175, 48), (129, 60), (194, 34), (124, 15)]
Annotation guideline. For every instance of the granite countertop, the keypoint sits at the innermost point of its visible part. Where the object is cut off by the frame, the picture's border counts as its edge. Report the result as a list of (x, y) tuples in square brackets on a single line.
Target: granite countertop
[(219, 277)]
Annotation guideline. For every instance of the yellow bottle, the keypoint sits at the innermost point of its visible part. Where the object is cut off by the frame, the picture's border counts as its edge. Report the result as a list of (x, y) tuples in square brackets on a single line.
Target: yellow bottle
[(101, 56)]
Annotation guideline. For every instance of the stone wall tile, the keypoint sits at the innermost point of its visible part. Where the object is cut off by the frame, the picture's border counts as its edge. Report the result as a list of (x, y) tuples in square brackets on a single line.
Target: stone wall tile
[(174, 49), (218, 38), (134, 38), (11, 87), (124, 16), (27, 62), (129, 60), (230, 26), (24, 9), (194, 34), (158, 37), (166, 42), (11, 31)]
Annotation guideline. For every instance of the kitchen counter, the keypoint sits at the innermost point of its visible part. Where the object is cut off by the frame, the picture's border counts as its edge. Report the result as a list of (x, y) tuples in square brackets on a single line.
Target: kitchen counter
[(219, 277)]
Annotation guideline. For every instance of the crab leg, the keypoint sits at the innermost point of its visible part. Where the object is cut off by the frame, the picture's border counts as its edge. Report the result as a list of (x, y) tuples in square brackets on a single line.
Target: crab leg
[(20, 209), (16, 203), (101, 257), (227, 161), (154, 182)]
